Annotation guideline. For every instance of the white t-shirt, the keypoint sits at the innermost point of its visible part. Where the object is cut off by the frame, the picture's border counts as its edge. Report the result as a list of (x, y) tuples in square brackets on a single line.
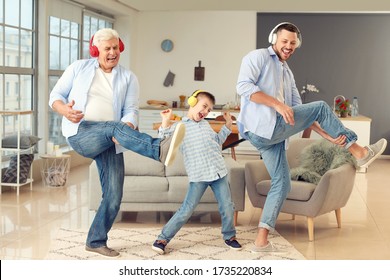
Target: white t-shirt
[(99, 104), (280, 95)]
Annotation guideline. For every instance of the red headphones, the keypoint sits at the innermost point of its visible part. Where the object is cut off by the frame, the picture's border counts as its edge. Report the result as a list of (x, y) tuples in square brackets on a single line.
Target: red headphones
[(94, 52)]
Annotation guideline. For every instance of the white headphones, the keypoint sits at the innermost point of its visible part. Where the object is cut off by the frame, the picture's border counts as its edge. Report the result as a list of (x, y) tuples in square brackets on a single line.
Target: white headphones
[(272, 38)]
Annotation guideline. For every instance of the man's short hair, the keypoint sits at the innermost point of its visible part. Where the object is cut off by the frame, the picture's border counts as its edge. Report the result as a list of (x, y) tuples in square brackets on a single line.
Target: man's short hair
[(289, 27)]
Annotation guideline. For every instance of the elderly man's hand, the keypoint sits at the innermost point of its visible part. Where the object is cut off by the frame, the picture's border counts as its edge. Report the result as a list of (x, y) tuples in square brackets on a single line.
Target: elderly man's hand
[(116, 141)]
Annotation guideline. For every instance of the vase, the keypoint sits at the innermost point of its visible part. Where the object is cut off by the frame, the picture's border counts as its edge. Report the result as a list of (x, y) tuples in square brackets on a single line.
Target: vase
[(344, 114)]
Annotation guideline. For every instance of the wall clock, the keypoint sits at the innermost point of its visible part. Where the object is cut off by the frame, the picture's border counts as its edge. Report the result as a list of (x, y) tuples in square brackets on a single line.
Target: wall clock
[(167, 45)]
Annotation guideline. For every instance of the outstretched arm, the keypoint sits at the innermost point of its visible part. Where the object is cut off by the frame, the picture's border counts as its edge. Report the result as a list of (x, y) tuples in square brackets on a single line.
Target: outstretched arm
[(167, 127)]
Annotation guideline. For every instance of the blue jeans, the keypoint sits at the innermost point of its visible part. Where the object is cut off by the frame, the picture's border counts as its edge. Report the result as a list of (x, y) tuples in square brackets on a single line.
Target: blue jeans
[(195, 192), (274, 154), (94, 140)]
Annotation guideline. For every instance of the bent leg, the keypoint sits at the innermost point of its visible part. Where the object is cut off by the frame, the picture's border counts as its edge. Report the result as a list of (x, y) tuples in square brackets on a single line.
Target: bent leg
[(93, 138), (305, 115)]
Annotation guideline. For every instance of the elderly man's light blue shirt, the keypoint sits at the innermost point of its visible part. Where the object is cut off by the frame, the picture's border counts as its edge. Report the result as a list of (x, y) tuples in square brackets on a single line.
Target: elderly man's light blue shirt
[(261, 70), (76, 81)]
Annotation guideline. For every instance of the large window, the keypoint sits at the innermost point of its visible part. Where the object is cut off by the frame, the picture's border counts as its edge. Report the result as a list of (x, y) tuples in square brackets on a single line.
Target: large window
[(91, 24), (64, 43), (65, 47), (17, 53)]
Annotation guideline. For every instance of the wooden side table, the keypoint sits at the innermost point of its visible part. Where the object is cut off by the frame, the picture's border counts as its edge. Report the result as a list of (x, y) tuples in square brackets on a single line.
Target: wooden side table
[(55, 169)]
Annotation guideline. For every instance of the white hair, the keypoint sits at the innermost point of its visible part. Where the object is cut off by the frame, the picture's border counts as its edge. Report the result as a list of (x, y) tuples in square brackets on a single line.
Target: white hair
[(104, 34)]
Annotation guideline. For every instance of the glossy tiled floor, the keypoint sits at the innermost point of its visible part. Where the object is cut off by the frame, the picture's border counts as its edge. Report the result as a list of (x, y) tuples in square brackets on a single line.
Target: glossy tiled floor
[(29, 222)]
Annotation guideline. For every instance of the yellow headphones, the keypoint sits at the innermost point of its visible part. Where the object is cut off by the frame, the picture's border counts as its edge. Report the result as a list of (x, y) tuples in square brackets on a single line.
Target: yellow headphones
[(192, 100)]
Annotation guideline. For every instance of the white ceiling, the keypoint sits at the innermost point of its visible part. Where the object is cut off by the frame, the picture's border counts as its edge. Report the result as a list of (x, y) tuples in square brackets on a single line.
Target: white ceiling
[(256, 5), (124, 7)]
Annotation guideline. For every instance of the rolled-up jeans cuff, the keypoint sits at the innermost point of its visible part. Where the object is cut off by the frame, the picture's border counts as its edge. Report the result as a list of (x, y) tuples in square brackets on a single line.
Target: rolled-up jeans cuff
[(263, 225), (349, 144)]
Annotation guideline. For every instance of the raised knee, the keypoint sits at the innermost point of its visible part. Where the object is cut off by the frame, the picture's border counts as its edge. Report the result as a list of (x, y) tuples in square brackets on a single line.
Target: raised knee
[(324, 104)]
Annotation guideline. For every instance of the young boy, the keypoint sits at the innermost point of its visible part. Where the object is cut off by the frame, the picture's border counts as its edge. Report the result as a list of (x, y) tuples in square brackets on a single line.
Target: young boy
[(205, 166)]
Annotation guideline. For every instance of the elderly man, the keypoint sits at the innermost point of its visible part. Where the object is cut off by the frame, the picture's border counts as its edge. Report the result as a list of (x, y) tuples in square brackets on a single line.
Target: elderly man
[(98, 99)]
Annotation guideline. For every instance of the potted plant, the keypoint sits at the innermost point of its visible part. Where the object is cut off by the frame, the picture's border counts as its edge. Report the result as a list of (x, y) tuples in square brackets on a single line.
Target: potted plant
[(343, 108)]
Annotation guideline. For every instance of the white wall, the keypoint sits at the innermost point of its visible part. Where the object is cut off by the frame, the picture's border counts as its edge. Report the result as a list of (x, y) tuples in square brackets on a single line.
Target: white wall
[(218, 38), (128, 31)]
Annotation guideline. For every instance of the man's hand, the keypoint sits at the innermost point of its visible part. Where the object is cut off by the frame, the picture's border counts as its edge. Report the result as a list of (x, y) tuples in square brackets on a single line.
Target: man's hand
[(67, 111), (286, 112), (129, 124), (340, 141)]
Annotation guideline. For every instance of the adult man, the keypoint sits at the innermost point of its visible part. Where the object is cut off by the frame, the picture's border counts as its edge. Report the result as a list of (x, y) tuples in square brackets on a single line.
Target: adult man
[(98, 99), (272, 111)]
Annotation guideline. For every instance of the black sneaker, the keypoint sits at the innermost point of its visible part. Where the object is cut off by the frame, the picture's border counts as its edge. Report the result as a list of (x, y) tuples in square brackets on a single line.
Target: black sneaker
[(233, 244), (159, 246)]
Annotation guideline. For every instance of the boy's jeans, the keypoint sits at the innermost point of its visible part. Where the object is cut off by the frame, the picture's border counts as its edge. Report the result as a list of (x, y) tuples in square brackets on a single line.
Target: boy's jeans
[(195, 192)]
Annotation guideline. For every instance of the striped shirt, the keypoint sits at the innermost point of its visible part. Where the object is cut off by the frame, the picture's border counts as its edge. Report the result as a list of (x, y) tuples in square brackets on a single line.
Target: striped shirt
[(201, 149)]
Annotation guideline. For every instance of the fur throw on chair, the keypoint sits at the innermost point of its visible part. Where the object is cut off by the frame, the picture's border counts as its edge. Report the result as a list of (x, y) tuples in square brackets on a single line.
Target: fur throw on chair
[(319, 157)]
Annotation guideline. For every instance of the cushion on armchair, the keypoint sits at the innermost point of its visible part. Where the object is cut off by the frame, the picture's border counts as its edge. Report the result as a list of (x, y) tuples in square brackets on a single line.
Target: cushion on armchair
[(319, 157)]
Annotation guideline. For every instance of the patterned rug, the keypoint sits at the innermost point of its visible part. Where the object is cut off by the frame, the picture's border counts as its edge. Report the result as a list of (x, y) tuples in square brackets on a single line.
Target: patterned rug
[(191, 243)]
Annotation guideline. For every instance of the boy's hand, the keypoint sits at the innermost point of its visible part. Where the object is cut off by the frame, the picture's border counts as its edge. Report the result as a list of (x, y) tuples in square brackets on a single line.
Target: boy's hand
[(228, 119), (166, 116)]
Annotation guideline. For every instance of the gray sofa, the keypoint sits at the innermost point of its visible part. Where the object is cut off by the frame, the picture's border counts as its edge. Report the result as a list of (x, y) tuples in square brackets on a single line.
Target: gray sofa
[(150, 186)]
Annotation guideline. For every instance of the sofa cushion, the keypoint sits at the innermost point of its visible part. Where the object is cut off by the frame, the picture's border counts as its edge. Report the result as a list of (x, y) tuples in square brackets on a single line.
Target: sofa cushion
[(301, 191), (137, 165), (177, 167), (145, 189)]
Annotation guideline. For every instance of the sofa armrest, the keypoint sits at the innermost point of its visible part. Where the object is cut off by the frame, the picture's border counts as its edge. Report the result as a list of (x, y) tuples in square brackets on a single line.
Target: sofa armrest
[(236, 177), (337, 185)]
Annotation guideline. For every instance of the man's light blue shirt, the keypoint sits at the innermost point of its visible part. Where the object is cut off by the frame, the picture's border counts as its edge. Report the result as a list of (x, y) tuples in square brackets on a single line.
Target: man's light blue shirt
[(261, 70), (76, 81), (201, 149)]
